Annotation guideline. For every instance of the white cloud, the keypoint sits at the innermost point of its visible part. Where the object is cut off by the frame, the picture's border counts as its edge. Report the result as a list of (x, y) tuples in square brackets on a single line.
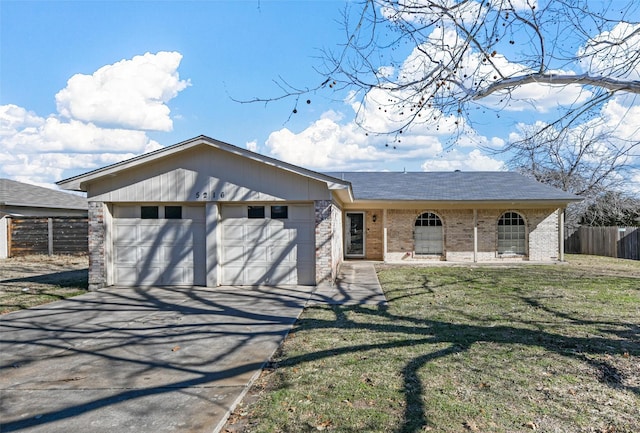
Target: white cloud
[(53, 135), (102, 120), (130, 93), (611, 52), (252, 145), (324, 144), (328, 145), (13, 117)]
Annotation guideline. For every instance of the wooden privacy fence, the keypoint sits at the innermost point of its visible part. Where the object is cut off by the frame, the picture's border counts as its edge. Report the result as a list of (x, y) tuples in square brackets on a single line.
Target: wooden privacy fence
[(620, 242), (41, 235)]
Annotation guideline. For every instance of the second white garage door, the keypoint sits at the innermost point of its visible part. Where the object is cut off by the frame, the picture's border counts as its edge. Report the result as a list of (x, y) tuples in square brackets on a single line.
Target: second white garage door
[(270, 245)]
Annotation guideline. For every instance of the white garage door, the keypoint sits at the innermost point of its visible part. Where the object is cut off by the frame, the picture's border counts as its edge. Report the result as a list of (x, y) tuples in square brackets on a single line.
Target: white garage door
[(271, 245), (157, 250)]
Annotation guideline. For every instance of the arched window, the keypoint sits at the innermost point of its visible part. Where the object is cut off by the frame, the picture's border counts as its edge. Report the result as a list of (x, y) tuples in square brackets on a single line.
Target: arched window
[(512, 234), (427, 235)]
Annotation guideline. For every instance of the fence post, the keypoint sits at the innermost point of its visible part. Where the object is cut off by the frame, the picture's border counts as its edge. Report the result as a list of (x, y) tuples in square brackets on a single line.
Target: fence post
[(9, 230), (50, 235)]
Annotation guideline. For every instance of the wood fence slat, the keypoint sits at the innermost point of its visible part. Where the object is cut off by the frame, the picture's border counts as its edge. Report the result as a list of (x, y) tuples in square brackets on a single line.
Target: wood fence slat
[(620, 242), (55, 235)]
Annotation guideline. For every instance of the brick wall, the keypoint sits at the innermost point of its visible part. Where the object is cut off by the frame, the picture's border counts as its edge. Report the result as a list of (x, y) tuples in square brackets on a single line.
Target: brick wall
[(542, 237), (97, 270), (374, 248), (325, 259), (458, 234), (400, 225), (543, 234), (337, 249)]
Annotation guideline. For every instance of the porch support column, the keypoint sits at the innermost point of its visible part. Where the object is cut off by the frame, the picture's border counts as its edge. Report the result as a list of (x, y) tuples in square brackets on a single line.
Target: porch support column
[(384, 235), (475, 235), (561, 234)]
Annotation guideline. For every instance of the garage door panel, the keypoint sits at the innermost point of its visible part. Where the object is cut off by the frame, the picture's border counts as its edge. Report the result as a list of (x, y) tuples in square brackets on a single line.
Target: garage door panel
[(126, 256), (284, 274), (275, 251), (233, 253), (160, 252), (177, 256), (178, 275), (283, 253), (149, 254), (233, 232), (282, 234), (255, 253), (126, 233), (233, 275), (256, 233), (138, 275), (126, 274), (256, 274)]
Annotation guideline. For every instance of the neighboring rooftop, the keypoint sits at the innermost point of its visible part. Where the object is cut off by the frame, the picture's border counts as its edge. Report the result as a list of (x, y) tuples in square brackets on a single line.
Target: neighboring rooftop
[(13, 193), (450, 186)]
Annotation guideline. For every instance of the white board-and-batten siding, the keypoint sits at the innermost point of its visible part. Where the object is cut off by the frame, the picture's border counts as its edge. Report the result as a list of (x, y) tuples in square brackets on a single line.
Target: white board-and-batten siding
[(206, 174)]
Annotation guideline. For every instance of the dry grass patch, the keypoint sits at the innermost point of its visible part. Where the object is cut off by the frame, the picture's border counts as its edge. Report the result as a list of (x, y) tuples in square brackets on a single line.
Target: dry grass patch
[(39, 279), (484, 349)]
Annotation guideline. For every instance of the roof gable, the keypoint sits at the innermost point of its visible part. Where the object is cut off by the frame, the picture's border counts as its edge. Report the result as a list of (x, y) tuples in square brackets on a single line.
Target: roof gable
[(79, 183), (205, 173)]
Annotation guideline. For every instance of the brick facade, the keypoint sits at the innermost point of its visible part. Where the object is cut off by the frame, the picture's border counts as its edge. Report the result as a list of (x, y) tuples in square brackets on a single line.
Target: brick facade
[(97, 256), (328, 229), (458, 234), (457, 225), (374, 248)]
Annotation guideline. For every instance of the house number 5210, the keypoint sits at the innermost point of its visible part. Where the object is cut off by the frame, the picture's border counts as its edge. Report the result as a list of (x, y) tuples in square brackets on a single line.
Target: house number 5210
[(205, 195)]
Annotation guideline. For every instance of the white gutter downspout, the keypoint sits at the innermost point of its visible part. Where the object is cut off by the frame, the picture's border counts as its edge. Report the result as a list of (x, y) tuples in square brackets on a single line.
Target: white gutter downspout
[(384, 235), (561, 234)]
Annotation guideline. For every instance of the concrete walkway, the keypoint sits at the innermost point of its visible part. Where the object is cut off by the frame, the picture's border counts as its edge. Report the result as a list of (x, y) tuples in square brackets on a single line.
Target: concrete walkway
[(357, 284), (151, 360)]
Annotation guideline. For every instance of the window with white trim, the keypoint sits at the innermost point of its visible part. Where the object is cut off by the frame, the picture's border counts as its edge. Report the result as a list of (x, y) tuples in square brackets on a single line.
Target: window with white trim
[(428, 236), (512, 234)]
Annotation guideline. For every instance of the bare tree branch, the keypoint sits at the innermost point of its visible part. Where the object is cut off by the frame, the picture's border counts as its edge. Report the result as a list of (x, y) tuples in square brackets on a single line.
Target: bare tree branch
[(608, 83)]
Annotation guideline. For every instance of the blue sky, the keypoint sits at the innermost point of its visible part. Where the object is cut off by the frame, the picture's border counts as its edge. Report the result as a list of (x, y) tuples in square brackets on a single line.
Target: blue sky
[(176, 67), (229, 48)]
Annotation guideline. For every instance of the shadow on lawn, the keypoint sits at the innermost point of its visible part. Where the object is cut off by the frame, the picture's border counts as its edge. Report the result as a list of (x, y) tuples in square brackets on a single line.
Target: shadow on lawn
[(75, 278), (462, 337), (177, 317)]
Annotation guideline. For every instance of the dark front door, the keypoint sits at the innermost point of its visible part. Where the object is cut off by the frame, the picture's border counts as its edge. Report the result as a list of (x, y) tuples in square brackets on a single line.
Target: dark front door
[(354, 236)]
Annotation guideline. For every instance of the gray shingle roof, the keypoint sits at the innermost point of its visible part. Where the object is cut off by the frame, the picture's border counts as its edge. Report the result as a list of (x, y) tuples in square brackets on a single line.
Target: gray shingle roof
[(14, 193), (450, 186)]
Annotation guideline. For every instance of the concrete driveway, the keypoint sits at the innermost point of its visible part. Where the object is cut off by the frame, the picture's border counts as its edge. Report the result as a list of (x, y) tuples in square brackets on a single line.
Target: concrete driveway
[(141, 360)]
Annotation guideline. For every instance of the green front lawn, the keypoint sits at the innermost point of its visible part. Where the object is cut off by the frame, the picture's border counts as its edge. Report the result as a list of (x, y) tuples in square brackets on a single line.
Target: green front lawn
[(480, 349)]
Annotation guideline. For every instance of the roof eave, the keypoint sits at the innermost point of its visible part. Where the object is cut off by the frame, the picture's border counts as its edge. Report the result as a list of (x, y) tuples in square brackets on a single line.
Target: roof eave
[(42, 206), (529, 203)]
